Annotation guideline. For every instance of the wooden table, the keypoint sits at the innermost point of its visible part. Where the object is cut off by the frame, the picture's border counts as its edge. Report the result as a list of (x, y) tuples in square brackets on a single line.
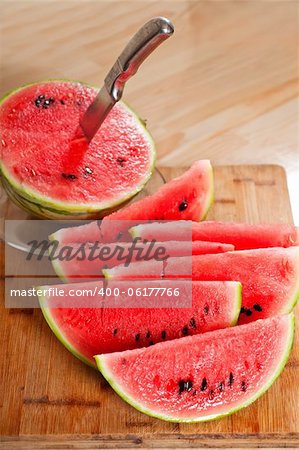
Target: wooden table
[(223, 87)]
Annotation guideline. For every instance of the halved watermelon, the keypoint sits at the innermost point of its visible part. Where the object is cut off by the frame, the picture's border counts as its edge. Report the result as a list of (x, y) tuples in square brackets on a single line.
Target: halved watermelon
[(88, 331), (242, 235), (203, 377), (48, 167), (187, 197), (270, 277), (82, 262)]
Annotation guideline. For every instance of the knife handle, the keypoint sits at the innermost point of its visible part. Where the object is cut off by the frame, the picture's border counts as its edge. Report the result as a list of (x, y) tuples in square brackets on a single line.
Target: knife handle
[(142, 44)]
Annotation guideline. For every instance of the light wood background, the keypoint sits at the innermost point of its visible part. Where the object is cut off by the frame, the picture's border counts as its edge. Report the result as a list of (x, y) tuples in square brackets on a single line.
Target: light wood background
[(224, 87)]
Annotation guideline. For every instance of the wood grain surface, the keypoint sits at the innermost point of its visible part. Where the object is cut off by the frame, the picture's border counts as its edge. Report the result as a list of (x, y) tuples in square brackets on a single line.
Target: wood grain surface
[(224, 87), (50, 400)]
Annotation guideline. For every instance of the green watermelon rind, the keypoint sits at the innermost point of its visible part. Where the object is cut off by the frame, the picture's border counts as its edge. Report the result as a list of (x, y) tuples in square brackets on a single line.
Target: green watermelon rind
[(210, 197), (46, 310), (100, 360), (294, 296), (58, 270), (41, 205), (238, 303), (56, 330)]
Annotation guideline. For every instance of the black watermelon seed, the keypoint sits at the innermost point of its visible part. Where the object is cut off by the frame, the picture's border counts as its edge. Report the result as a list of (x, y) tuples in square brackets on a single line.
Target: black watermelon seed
[(137, 337), (120, 161), (206, 310), (51, 100), (231, 379), (185, 331), (243, 310), (221, 386), (192, 323), (194, 392), (88, 170), (243, 386), (151, 343), (185, 385), (115, 331), (148, 334), (69, 176), (46, 104), (163, 334), (248, 312), (204, 384), (257, 307), (62, 102), (183, 205), (39, 100), (181, 386)]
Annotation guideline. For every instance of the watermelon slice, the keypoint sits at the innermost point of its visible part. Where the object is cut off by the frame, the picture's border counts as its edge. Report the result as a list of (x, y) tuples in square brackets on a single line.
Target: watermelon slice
[(88, 331), (242, 235), (90, 261), (47, 166), (187, 197), (203, 377), (270, 277)]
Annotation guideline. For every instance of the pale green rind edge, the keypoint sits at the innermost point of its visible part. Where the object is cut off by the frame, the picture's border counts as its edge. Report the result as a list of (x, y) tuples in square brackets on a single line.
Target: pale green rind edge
[(210, 197), (37, 199), (100, 360), (106, 273), (46, 310), (133, 232), (237, 303), (294, 296), (58, 270)]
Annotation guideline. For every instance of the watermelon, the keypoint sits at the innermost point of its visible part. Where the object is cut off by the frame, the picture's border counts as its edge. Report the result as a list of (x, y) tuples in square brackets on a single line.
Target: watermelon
[(187, 197), (48, 167), (88, 331), (242, 235), (269, 277), (87, 261), (203, 377)]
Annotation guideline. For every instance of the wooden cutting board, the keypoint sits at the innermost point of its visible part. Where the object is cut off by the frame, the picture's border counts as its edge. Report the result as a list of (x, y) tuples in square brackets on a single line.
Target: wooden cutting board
[(50, 397)]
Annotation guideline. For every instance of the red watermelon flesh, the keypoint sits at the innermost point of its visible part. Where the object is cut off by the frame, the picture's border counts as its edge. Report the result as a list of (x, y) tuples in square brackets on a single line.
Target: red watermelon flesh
[(45, 156), (88, 331), (242, 235), (203, 377), (269, 277), (82, 262), (187, 197)]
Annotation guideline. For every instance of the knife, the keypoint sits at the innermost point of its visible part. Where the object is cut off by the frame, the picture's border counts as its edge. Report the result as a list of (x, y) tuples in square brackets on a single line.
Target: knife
[(142, 44)]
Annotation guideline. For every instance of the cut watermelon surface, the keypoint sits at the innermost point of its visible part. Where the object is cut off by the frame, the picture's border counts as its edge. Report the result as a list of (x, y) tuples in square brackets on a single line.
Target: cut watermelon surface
[(88, 260), (50, 169), (203, 377), (187, 197), (269, 277), (243, 236), (89, 331)]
